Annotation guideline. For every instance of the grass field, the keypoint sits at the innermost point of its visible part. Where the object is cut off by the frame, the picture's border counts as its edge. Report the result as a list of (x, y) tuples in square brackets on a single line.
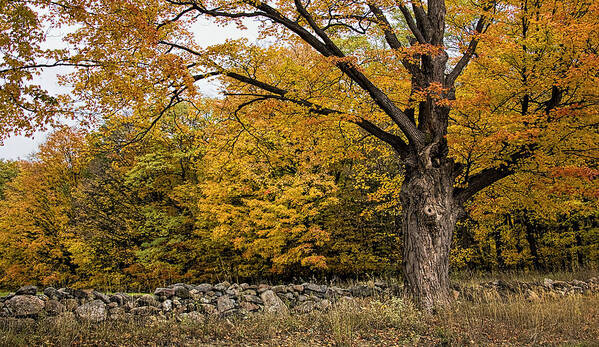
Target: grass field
[(513, 320)]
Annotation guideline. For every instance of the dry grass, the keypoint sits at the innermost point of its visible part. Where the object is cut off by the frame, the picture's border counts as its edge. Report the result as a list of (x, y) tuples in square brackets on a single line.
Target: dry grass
[(515, 320), (488, 320), (477, 276)]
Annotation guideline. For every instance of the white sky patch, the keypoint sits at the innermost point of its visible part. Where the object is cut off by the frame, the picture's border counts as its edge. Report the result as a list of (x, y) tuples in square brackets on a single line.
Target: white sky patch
[(206, 34)]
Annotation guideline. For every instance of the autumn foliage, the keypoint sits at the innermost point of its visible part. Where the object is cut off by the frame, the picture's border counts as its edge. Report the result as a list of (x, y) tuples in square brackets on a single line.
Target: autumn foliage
[(191, 202), (296, 169)]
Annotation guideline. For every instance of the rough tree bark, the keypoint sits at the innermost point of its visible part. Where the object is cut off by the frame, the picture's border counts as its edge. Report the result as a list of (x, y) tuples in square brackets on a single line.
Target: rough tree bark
[(429, 216)]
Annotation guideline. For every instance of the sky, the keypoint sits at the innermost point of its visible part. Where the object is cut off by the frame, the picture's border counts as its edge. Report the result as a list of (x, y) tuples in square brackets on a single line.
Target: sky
[(206, 33)]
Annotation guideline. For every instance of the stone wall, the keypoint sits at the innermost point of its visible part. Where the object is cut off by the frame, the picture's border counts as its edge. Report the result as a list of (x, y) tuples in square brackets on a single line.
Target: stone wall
[(185, 301), (181, 300)]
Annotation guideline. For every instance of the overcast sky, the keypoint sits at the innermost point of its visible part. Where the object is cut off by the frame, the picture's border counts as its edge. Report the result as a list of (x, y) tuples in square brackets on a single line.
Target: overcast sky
[(207, 33)]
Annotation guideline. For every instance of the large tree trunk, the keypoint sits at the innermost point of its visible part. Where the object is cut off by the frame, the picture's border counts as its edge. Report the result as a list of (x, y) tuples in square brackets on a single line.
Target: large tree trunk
[(429, 217)]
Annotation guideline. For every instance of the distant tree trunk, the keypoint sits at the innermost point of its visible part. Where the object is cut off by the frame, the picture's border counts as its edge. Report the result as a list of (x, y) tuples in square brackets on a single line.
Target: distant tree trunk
[(498, 249), (579, 253), (530, 231)]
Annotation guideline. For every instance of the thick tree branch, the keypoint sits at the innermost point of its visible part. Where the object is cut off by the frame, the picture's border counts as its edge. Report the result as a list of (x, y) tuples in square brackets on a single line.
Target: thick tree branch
[(422, 22), (394, 141), (391, 38), (325, 38), (436, 19), (480, 181), (488, 176), (412, 25)]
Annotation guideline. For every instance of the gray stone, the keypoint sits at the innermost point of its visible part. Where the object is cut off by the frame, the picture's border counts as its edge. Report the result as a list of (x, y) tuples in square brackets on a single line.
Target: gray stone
[(298, 288), (6, 298), (93, 311), (252, 298), (547, 282), (315, 288), (101, 296), (187, 286), (53, 293), (167, 305), (24, 305), (4, 312), (209, 309), (249, 306), (147, 300), (165, 292), (221, 287), (74, 293), (560, 285), (279, 289), (272, 303), (54, 307), (204, 287), (43, 297), (120, 298), (182, 292), (338, 291), (224, 303), (26, 290), (577, 290), (65, 294), (580, 284)]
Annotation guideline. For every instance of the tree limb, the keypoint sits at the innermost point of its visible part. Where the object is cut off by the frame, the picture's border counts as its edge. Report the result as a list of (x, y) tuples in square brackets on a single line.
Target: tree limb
[(488, 176), (467, 56), (411, 24)]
